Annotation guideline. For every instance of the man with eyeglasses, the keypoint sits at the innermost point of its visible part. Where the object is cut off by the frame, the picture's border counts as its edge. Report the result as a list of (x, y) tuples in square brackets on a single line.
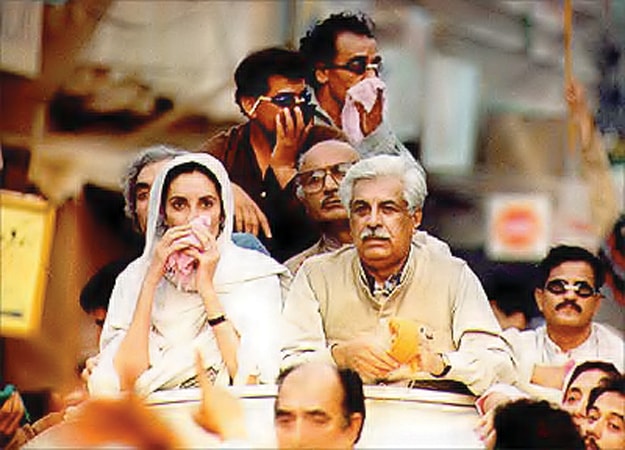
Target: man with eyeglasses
[(568, 296), (260, 154), (343, 68), (320, 172)]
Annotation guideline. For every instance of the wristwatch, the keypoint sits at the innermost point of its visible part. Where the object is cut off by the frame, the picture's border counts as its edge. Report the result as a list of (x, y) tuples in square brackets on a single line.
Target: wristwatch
[(446, 368)]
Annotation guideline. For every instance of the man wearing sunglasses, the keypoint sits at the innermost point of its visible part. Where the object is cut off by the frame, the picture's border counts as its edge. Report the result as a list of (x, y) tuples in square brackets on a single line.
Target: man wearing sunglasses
[(340, 53), (568, 296), (319, 173), (260, 154)]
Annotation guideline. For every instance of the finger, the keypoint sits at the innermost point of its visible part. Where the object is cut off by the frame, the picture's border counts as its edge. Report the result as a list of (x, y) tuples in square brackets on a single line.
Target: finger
[(239, 221), (249, 219), (299, 118), (253, 223), (264, 222), (280, 130), (202, 377), (17, 417), (289, 125)]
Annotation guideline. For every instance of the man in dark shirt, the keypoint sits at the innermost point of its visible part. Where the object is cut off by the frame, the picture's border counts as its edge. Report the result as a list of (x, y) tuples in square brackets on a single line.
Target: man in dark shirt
[(260, 155)]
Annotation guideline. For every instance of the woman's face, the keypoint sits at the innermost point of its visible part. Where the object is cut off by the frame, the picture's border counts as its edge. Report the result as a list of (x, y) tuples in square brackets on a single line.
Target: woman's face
[(576, 396), (191, 195)]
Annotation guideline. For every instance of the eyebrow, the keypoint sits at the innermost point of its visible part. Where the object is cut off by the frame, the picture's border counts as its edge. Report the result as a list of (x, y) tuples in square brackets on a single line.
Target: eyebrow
[(142, 185)]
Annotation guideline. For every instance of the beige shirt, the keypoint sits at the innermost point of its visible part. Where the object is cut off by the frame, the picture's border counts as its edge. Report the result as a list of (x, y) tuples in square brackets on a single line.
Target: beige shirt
[(329, 302)]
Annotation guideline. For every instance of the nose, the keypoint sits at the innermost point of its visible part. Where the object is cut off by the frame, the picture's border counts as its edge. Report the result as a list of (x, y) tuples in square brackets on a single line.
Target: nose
[(595, 428), (374, 218), (371, 72), (329, 183)]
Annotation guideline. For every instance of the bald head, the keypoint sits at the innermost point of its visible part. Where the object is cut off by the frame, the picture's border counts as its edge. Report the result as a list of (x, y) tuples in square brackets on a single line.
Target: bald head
[(320, 170), (319, 407)]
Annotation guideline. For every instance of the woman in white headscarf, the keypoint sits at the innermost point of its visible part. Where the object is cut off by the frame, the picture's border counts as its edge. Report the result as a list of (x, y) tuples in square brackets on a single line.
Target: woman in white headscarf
[(192, 289)]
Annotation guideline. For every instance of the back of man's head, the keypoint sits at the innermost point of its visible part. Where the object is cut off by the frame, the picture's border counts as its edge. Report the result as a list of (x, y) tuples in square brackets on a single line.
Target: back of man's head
[(532, 424), (565, 253), (251, 76), (318, 46)]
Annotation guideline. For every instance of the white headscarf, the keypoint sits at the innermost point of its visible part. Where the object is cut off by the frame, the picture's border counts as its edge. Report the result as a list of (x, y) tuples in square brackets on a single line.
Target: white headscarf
[(247, 284)]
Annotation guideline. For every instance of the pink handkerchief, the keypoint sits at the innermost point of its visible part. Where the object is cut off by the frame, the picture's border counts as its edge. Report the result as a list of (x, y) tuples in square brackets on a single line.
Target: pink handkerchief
[(365, 93), (180, 267)]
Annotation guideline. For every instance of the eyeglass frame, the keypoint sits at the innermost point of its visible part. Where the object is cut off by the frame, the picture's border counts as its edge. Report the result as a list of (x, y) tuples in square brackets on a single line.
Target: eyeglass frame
[(303, 98), (575, 287), (327, 170), (376, 65)]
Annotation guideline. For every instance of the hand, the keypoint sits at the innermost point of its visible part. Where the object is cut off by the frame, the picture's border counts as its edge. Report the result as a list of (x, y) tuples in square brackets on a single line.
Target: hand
[(249, 218), (207, 258), (370, 121), (367, 356), (171, 242), (11, 413), (485, 429), (90, 364), (549, 376), (291, 132), (220, 412), (578, 106)]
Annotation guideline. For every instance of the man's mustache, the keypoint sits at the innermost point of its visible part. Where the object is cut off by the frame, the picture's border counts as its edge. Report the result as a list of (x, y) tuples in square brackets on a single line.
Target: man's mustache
[(374, 233), (330, 199), (571, 303)]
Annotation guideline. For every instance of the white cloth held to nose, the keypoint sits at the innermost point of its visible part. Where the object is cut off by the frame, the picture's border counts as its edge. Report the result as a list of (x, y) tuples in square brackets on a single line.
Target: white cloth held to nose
[(365, 92)]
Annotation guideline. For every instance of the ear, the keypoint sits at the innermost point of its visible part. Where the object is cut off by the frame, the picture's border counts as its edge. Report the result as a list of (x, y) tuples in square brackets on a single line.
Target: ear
[(416, 218), (247, 103), (539, 297), (355, 425), (321, 75)]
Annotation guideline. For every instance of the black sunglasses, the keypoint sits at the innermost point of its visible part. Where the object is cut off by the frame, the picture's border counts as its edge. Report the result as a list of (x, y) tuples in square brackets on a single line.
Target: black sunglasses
[(581, 288), (285, 99), (359, 65)]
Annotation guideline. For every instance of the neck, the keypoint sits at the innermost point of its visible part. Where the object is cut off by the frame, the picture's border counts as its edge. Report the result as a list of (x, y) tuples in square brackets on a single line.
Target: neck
[(329, 104), (382, 272), (337, 230), (568, 338), (262, 143)]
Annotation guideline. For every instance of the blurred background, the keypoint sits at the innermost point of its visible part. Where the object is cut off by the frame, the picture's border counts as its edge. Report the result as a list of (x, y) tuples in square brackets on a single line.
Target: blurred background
[(476, 91)]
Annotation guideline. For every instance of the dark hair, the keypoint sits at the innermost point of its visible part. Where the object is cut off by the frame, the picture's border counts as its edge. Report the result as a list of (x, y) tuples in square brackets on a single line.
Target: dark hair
[(318, 45), (532, 424), (190, 167), (509, 287), (251, 76), (616, 385), (353, 394), (97, 292), (565, 253), (608, 368)]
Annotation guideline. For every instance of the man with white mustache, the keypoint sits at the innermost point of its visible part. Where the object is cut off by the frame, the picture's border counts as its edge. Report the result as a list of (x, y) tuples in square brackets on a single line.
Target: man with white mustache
[(342, 305), (567, 294), (320, 171)]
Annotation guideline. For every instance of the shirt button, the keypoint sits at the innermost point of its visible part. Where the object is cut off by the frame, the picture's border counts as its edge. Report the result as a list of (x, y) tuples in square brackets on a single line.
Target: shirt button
[(263, 194)]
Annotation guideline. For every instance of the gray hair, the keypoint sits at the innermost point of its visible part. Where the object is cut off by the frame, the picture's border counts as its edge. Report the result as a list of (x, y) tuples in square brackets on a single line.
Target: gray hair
[(299, 190), (146, 157), (403, 168)]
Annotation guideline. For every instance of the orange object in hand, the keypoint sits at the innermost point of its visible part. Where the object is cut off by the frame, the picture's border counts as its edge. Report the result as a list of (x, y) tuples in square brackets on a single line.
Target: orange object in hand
[(406, 338)]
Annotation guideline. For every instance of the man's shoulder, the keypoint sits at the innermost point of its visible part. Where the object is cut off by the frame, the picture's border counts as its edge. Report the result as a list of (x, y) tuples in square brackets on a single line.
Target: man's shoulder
[(223, 140), (330, 262), (607, 334), (296, 261), (435, 258)]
